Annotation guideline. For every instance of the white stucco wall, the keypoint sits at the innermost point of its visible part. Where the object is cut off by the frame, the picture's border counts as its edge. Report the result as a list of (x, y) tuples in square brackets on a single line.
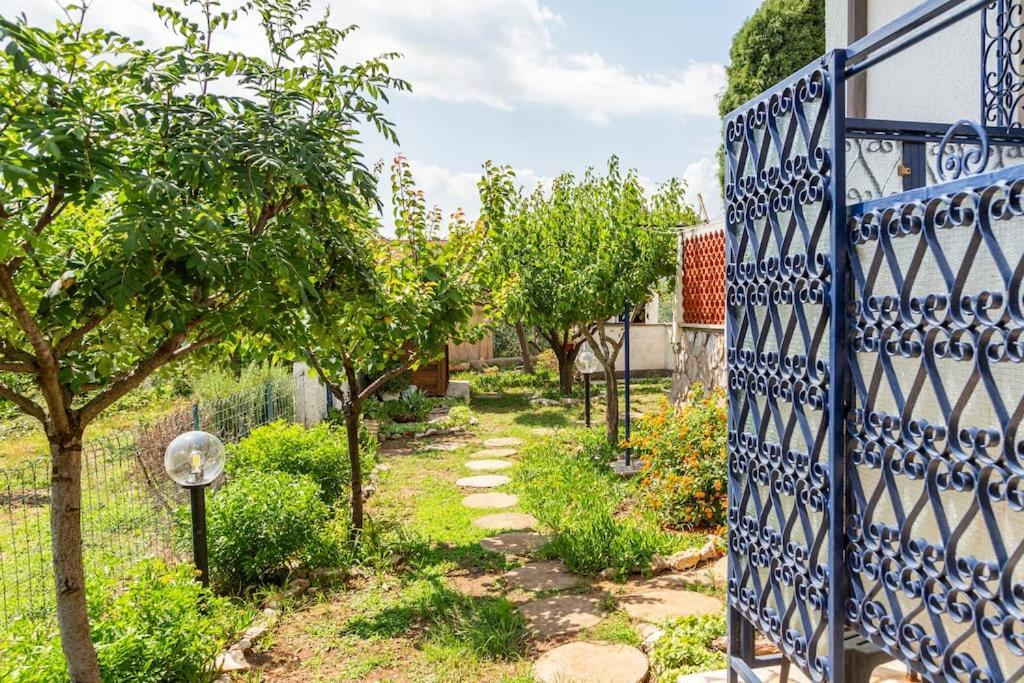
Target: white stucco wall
[(650, 346), (938, 80)]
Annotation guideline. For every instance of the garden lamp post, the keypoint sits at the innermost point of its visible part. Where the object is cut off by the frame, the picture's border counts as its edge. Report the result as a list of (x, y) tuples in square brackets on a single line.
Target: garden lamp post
[(587, 363), (194, 460)]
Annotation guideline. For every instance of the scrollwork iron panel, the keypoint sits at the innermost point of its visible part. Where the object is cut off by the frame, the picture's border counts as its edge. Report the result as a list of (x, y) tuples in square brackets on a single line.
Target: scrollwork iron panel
[(778, 210), (935, 457), (1002, 76)]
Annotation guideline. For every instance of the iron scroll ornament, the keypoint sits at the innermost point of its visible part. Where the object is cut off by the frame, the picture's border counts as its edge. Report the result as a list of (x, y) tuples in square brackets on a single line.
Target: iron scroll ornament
[(778, 278), (962, 161), (935, 581)]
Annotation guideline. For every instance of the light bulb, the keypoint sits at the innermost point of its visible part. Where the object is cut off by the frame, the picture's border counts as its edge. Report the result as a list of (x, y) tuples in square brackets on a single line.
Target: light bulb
[(194, 459)]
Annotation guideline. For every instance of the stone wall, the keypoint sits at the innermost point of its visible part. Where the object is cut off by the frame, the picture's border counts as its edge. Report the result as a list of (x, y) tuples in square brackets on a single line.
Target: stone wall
[(698, 335), (700, 357)]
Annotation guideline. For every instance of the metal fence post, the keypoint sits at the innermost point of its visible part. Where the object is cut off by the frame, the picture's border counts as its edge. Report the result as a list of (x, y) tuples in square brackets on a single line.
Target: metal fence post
[(837, 398), (268, 402), (195, 416)]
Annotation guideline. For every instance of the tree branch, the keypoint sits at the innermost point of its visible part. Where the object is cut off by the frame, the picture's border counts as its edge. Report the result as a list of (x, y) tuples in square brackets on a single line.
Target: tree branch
[(25, 404), (48, 370), (19, 368), (51, 211), (376, 384), (72, 339), (170, 350)]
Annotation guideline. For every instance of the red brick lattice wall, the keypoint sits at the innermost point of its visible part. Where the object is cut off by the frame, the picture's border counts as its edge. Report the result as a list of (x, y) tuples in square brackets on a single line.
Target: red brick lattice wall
[(704, 279)]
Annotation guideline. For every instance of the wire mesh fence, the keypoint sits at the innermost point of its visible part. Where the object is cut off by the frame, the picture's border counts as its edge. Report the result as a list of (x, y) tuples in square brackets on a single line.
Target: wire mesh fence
[(128, 502)]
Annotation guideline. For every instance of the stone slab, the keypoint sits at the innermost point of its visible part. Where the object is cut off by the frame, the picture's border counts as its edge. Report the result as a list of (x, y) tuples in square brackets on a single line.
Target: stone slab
[(550, 575), (488, 465), (483, 481), (458, 389), (665, 603), (494, 453), (592, 663), (517, 543), (490, 501), (503, 442), (562, 616), (512, 521)]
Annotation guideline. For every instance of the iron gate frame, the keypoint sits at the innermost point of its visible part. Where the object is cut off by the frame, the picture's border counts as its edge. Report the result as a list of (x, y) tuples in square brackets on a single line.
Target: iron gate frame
[(1002, 97)]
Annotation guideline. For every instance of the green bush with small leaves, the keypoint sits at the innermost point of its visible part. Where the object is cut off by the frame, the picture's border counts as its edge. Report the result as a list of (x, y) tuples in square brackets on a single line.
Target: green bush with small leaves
[(161, 626), (260, 523), (572, 491), (685, 647), (319, 452)]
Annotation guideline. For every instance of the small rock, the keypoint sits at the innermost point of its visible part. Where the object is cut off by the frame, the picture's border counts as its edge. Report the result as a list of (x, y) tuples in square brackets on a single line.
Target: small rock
[(544, 403), (659, 564), (244, 645), (649, 635), (570, 401), (608, 573), (232, 660), (297, 587), (255, 632), (685, 559), (272, 613)]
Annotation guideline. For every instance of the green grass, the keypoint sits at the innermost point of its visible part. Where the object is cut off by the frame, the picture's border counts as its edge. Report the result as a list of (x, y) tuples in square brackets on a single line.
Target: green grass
[(685, 647)]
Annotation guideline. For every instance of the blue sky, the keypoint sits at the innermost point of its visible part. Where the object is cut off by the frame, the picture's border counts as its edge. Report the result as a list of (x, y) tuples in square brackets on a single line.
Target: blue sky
[(544, 85)]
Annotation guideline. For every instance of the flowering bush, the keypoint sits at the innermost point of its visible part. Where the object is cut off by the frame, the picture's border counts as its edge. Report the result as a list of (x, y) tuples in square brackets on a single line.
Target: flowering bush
[(683, 451)]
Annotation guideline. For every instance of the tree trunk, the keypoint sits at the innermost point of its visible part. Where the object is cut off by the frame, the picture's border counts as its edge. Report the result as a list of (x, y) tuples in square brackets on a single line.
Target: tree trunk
[(566, 356), (352, 410), (524, 348), (611, 415), (68, 569)]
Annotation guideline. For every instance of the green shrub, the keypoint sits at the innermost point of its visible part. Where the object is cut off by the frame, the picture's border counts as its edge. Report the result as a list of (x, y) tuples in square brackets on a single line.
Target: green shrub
[(578, 498), (683, 451), (152, 631), (261, 522), (504, 380), (319, 452), (458, 417), (685, 647)]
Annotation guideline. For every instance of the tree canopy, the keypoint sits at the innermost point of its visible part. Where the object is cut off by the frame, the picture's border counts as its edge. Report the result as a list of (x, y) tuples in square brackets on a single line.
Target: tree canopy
[(414, 295), (573, 256), (154, 202), (781, 37)]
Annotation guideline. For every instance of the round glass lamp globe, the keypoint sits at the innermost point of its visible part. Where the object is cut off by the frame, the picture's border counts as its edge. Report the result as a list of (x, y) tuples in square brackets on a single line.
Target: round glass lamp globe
[(587, 362), (194, 459)]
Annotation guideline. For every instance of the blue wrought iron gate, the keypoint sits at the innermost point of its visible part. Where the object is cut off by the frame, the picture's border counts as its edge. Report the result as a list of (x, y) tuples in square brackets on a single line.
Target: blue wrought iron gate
[(876, 370)]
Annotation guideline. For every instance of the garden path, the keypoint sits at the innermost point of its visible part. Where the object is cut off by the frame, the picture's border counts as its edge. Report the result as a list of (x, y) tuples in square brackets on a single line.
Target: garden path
[(468, 595)]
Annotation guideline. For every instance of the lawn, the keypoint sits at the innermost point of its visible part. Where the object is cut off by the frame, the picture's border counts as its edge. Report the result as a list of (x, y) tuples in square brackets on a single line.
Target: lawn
[(432, 607)]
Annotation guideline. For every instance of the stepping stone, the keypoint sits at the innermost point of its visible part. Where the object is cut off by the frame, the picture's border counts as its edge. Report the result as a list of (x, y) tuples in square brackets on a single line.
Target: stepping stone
[(665, 603), (503, 442), (562, 616), (494, 453), (477, 586), (490, 501), (514, 521), (542, 576), (447, 446), (514, 543), (592, 663), (485, 465), (484, 481)]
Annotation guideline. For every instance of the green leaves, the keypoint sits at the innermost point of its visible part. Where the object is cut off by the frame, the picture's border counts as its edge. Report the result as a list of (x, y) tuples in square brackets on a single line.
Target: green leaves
[(189, 189), (576, 253)]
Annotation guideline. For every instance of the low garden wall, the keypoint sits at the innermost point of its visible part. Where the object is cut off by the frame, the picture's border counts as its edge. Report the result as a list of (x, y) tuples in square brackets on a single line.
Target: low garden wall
[(698, 338)]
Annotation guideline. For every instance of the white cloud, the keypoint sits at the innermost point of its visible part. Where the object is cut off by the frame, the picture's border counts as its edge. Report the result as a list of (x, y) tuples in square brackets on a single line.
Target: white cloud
[(499, 53), (503, 54), (702, 178)]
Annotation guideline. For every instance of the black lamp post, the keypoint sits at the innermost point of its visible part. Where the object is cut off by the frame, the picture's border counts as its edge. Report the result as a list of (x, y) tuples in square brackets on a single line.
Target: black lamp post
[(194, 460), (587, 363)]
